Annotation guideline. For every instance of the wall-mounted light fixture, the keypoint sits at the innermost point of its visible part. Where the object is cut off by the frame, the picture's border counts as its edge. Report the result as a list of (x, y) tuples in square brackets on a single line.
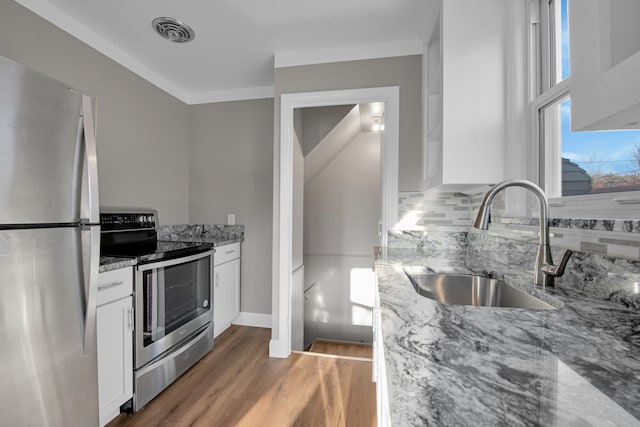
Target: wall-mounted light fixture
[(377, 124)]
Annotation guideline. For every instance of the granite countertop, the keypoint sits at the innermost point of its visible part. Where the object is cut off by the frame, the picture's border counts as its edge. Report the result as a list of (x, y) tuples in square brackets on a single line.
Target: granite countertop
[(108, 263), (215, 241), (454, 365), (218, 235)]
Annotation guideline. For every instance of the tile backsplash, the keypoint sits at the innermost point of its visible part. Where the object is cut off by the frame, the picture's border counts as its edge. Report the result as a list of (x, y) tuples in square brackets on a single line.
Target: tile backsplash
[(444, 211), (605, 263), (429, 214)]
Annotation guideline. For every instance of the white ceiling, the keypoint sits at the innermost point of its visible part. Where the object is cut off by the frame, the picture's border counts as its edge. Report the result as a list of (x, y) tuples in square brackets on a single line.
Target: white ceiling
[(232, 56)]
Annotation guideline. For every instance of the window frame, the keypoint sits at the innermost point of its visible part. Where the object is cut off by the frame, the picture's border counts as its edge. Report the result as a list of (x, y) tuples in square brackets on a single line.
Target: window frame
[(544, 93)]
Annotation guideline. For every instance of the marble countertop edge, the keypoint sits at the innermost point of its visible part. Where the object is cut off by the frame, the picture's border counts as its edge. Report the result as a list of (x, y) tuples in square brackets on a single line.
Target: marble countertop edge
[(115, 263)]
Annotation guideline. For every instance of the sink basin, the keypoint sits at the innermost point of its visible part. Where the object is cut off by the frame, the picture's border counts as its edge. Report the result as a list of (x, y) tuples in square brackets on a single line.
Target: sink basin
[(473, 290)]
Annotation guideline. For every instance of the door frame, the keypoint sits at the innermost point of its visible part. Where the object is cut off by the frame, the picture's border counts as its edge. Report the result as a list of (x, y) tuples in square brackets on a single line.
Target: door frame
[(280, 344)]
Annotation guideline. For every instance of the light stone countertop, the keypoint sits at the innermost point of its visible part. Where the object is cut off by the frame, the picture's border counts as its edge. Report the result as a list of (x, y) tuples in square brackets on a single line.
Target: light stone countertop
[(454, 365), (215, 241), (115, 263), (218, 235)]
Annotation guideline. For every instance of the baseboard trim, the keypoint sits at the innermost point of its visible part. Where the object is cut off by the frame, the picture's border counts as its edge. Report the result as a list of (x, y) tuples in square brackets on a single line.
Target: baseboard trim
[(257, 320), (278, 348), (332, 356)]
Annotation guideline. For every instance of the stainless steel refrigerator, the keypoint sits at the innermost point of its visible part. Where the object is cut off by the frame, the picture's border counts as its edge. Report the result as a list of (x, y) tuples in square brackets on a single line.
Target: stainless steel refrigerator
[(49, 252)]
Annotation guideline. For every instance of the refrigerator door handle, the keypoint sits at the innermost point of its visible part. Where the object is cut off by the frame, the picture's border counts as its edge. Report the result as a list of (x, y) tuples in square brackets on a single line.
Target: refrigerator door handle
[(91, 266), (89, 223), (89, 208)]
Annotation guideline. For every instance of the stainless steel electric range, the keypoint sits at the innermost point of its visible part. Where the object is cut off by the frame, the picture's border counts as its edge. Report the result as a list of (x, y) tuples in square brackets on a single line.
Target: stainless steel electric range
[(172, 295)]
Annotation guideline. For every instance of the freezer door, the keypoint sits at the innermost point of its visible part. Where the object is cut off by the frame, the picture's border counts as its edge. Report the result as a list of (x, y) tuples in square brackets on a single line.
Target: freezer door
[(48, 378), (41, 151)]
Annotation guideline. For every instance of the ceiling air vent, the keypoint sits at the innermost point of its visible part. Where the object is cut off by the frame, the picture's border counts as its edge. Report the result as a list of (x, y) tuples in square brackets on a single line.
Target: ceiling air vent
[(173, 30)]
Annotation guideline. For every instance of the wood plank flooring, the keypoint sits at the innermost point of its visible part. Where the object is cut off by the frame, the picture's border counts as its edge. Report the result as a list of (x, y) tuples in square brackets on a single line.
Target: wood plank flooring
[(342, 349), (237, 384)]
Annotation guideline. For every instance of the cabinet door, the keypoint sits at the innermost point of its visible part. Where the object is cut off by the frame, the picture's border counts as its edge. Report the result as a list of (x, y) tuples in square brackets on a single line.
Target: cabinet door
[(465, 118), (605, 64), (226, 294), (115, 356)]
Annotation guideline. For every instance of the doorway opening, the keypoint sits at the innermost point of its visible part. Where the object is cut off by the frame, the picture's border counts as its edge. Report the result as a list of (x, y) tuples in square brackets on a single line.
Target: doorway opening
[(288, 277), (337, 180)]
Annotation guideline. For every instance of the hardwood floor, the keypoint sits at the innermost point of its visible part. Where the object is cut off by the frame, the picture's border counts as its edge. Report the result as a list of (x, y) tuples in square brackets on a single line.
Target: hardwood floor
[(342, 349), (237, 384)]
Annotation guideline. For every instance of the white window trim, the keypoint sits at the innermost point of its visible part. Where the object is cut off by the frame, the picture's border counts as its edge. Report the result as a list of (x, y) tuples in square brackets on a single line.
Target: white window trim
[(618, 205), (550, 169)]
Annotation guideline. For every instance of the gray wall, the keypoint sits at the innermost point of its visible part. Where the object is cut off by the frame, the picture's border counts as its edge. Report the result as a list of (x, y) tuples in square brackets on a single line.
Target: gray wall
[(342, 203), (403, 71), (231, 161), (142, 132), (318, 122)]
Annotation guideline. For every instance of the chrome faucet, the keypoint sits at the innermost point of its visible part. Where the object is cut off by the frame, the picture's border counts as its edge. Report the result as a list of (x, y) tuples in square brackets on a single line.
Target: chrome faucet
[(545, 270)]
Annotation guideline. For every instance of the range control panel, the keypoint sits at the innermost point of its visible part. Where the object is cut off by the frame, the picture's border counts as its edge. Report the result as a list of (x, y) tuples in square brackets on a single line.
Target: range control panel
[(128, 221)]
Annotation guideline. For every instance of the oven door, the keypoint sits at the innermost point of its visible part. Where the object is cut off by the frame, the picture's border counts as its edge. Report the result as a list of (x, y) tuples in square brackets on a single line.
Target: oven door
[(173, 300)]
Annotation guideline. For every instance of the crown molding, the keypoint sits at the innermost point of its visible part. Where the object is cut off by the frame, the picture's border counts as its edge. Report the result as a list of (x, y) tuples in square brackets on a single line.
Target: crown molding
[(260, 92), (67, 23), (349, 53)]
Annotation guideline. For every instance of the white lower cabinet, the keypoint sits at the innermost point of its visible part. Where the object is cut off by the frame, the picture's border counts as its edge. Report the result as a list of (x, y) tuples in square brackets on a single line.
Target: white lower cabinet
[(226, 286), (114, 325)]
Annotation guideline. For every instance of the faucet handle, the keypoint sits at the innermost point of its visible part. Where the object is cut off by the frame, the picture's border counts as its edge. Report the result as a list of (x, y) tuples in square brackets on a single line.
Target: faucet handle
[(557, 270)]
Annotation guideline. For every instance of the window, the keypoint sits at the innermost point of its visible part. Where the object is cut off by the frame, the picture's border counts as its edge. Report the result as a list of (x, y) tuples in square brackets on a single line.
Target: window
[(575, 167)]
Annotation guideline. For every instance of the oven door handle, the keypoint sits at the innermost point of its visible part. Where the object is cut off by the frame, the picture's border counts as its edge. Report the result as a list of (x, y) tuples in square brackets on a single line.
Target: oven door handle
[(175, 261), (157, 290)]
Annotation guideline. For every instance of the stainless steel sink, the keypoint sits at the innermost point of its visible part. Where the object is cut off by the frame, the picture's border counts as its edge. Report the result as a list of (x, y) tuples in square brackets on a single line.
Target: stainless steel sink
[(473, 290)]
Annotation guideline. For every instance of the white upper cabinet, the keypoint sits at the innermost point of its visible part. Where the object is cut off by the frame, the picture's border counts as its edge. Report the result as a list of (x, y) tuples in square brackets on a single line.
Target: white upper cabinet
[(465, 95), (605, 64)]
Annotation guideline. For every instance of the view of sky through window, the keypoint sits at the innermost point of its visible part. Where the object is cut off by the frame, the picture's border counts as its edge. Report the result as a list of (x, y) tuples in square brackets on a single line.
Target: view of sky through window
[(564, 28), (610, 158)]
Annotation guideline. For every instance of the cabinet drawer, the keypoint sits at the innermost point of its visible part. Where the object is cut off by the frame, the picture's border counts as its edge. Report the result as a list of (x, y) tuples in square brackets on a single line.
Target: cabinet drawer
[(115, 284), (226, 253)]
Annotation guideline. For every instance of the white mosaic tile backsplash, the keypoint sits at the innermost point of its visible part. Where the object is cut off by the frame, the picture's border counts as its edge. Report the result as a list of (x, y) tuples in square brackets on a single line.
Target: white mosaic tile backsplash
[(423, 211), (454, 212)]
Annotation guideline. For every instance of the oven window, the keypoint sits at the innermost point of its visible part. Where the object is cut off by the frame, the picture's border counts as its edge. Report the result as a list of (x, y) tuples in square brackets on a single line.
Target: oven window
[(175, 295)]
